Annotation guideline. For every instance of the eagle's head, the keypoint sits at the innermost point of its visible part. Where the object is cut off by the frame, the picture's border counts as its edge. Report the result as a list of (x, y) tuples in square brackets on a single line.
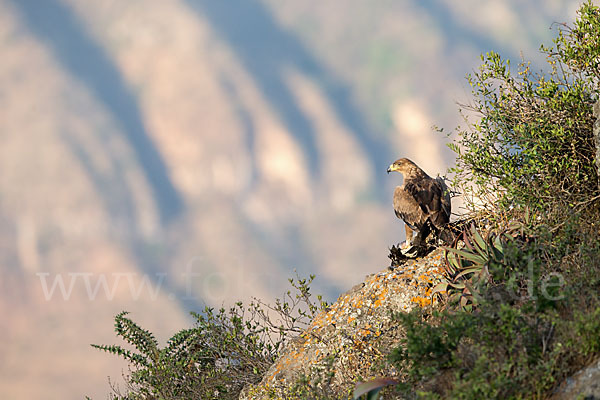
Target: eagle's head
[(403, 165)]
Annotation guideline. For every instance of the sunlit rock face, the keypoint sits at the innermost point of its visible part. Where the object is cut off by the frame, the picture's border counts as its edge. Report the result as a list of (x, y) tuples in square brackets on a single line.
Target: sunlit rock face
[(354, 334), (158, 156)]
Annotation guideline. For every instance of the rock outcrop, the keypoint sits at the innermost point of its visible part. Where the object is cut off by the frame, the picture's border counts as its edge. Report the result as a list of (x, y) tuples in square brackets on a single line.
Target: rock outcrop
[(349, 341), (585, 384)]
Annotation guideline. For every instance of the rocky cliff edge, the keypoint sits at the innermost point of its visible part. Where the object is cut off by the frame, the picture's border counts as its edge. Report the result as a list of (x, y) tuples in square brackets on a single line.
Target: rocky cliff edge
[(349, 341)]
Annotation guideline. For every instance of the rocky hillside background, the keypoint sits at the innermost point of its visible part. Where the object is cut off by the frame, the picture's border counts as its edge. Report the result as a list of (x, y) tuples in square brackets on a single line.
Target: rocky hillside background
[(157, 156)]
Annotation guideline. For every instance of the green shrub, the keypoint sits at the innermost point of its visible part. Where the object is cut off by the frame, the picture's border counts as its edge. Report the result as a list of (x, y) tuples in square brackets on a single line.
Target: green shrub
[(531, 141), (215, 359), (499, 352), (580, 45)]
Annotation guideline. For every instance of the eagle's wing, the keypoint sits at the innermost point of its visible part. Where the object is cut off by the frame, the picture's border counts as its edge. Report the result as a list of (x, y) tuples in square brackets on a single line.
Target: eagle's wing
[(443, 216), (408, 209), (432, 197), (421, 192)]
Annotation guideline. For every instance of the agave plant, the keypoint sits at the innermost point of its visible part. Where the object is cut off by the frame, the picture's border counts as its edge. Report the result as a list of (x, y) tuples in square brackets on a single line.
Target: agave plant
[(467, 268)]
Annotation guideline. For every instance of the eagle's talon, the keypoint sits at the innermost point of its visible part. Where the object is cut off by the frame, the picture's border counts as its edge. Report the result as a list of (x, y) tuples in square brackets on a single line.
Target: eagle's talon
[(411, 252), (405, 245)]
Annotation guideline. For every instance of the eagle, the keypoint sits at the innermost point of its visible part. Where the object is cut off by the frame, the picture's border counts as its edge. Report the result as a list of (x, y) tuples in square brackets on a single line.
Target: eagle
[(422, 202)]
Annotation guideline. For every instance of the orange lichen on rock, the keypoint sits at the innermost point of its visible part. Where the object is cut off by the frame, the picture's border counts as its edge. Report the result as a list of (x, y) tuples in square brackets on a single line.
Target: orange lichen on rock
[(356, 332), (421, 301)]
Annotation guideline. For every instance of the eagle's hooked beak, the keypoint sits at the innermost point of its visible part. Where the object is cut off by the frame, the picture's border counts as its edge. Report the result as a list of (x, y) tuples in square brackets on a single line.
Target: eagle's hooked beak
[(391, 168)]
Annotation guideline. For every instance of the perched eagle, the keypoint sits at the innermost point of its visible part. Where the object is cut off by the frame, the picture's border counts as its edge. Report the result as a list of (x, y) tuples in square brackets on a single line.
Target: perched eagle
[(423, 203)]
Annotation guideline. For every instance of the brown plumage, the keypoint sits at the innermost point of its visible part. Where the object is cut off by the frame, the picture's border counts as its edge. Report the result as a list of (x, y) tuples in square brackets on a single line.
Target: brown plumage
[(422, 202)]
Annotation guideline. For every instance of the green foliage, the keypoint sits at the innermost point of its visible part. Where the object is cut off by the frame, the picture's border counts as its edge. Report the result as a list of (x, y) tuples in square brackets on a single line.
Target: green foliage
[(500, 352), (531, 143), (295, 311), (224, 350), (214, 359), (580, 45)]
